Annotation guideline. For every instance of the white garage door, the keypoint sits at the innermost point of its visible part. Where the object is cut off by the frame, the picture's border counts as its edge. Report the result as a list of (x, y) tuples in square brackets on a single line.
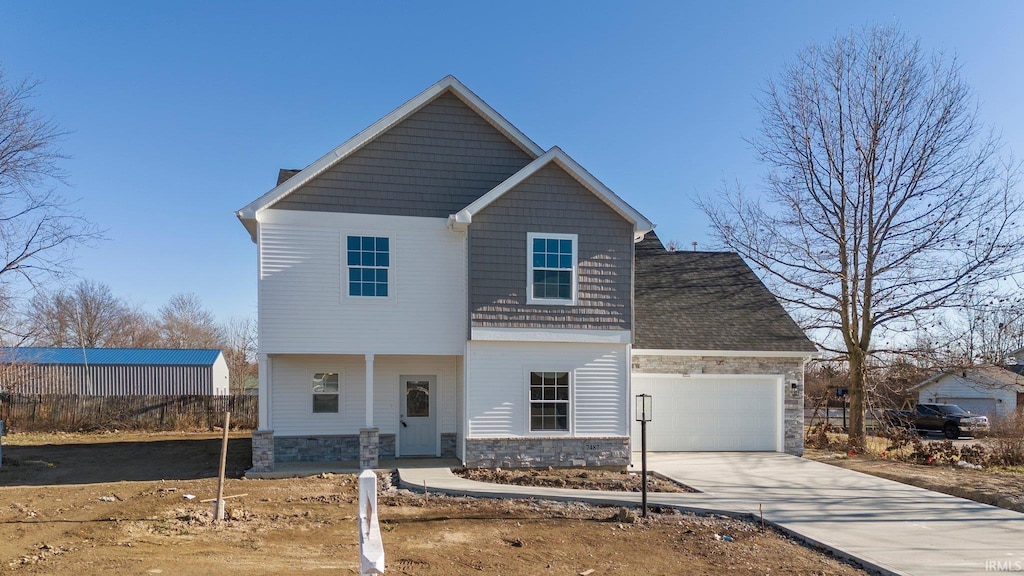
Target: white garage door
[(979, 406), (711, 413)]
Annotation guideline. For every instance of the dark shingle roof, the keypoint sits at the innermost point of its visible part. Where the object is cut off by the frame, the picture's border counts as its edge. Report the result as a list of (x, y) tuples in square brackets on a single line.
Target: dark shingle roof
[(285, 173), (111, 356), (707, 301)]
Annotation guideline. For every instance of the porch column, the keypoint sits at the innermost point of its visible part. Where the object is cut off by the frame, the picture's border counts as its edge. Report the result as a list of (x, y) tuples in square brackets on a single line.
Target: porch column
[(263, 436), (369, 437), (369, 390), (263, 390)]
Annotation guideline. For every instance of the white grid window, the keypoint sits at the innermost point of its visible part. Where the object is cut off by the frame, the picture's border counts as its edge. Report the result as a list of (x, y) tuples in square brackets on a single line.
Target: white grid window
[(551, 273), (549, 401)]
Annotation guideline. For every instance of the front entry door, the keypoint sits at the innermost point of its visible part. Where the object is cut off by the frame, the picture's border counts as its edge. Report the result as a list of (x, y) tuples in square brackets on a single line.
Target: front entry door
[(418, 419)]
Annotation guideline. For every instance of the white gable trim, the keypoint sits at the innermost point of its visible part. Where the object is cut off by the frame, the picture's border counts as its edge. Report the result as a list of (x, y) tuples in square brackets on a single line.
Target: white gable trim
[(641, 225), (248, 213)]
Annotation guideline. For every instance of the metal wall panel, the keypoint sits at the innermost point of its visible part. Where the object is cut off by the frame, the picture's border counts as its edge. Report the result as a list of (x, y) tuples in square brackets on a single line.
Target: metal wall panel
[(111, 380)]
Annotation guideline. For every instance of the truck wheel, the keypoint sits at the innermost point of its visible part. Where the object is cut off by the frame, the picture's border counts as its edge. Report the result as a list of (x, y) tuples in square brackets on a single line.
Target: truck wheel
[(951, 430)]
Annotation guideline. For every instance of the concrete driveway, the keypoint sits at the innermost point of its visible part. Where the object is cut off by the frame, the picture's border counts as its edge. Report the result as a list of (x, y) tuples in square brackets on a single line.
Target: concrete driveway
[(897, 528)]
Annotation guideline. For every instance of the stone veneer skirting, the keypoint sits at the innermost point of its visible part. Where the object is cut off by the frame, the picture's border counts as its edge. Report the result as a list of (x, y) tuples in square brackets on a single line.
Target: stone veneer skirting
[(792, 370), (448, 445), (543, 452), (262, 450), (340, 448)]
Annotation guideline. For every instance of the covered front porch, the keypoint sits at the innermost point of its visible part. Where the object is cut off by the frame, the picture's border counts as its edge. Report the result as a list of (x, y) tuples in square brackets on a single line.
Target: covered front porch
[(356, 408)]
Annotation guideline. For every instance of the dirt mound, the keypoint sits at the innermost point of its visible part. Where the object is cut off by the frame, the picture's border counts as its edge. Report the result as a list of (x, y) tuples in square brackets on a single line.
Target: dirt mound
[(575, 478)]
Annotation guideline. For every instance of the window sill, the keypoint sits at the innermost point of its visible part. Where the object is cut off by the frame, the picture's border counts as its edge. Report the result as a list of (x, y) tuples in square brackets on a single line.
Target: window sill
[(549, 302)]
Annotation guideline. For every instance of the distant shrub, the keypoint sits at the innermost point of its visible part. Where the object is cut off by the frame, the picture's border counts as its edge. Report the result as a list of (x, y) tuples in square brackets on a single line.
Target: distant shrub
[(1007, 441), (823, 436)]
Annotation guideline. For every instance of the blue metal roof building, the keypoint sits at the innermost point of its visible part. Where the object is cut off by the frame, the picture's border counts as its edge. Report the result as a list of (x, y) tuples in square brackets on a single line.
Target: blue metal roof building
[(114, 371)]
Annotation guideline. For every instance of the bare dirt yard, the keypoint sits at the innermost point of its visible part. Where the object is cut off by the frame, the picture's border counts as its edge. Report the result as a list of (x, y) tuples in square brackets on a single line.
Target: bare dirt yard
[(88, 505), (995, 486)]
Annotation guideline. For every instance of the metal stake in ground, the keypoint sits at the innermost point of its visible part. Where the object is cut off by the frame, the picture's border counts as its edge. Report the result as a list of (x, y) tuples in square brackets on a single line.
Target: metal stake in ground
[(644, 411), (218, 504)]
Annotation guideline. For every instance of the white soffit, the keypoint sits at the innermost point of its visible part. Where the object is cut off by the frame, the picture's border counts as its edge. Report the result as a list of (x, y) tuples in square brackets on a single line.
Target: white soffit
[(550, 335)]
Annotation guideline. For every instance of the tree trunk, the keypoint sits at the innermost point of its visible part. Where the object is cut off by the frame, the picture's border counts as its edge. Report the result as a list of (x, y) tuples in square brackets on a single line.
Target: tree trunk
[(858, 375)]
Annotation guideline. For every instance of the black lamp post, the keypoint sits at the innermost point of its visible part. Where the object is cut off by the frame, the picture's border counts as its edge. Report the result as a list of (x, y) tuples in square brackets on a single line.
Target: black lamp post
[(644, 411)]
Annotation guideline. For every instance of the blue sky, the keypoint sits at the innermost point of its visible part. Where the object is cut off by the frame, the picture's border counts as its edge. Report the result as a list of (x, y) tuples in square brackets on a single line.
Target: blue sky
[(182, 112)]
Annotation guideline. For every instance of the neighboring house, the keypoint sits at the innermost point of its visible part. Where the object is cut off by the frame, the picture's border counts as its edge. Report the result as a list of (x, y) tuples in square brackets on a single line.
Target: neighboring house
[(991, 391), (113, 371), (439, 285)]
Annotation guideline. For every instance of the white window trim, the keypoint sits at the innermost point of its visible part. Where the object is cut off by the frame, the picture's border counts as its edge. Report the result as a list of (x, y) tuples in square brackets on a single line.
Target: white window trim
[(392, 276), (529, 270), (528, 431), (341, 388)]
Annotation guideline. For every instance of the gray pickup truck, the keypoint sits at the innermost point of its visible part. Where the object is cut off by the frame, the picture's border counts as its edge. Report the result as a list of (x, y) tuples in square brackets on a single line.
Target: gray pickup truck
[(949, 419)]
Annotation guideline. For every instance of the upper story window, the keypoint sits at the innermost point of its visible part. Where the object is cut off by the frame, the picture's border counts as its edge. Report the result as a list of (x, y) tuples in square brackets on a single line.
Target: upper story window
[(369, 258), (551, 260)]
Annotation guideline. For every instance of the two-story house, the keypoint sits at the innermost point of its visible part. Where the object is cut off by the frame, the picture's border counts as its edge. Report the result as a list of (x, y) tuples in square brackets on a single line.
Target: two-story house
[(440, 285)]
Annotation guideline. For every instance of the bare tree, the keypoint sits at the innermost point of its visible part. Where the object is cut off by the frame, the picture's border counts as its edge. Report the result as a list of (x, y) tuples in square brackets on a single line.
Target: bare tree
[(240, 352), (185, 323), (885, 200), (90, 316), (38, 227), (136, 328), (982, 330)]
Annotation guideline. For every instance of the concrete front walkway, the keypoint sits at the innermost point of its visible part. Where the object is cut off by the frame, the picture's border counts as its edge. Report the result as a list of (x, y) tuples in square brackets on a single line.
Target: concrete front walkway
[(892, 527)]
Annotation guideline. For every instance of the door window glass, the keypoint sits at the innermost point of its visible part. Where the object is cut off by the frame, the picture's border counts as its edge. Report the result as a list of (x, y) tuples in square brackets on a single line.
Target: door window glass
[(417, 399)]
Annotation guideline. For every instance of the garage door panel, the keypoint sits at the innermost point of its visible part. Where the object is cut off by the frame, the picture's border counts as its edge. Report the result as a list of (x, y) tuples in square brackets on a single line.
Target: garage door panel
[(701, 413)]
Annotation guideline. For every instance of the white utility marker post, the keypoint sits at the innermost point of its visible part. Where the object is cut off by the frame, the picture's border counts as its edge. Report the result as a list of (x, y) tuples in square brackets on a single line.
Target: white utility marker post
[(371, 547)]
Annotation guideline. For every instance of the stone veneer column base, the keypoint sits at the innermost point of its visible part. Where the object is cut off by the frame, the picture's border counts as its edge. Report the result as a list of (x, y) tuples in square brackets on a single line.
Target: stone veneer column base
[(542, 452), (262, 450), (369, 448)]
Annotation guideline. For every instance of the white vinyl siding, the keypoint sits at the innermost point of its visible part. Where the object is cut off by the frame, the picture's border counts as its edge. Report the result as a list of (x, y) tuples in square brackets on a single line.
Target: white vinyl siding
[(497, 402), (291, 393), (303, 283)]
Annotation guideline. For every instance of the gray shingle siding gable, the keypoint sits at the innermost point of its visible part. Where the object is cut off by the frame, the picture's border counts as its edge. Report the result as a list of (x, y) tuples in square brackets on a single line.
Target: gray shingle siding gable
[(550, 201), (434, 163)]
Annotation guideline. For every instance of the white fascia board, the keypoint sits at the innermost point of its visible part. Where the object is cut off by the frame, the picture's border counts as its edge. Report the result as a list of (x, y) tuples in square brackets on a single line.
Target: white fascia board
[(641, 225), (725, 353), (401, 113), (551, 335)]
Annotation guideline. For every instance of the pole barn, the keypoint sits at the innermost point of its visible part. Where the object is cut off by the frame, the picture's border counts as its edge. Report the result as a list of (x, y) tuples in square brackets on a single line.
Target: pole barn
[(113, 371)]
